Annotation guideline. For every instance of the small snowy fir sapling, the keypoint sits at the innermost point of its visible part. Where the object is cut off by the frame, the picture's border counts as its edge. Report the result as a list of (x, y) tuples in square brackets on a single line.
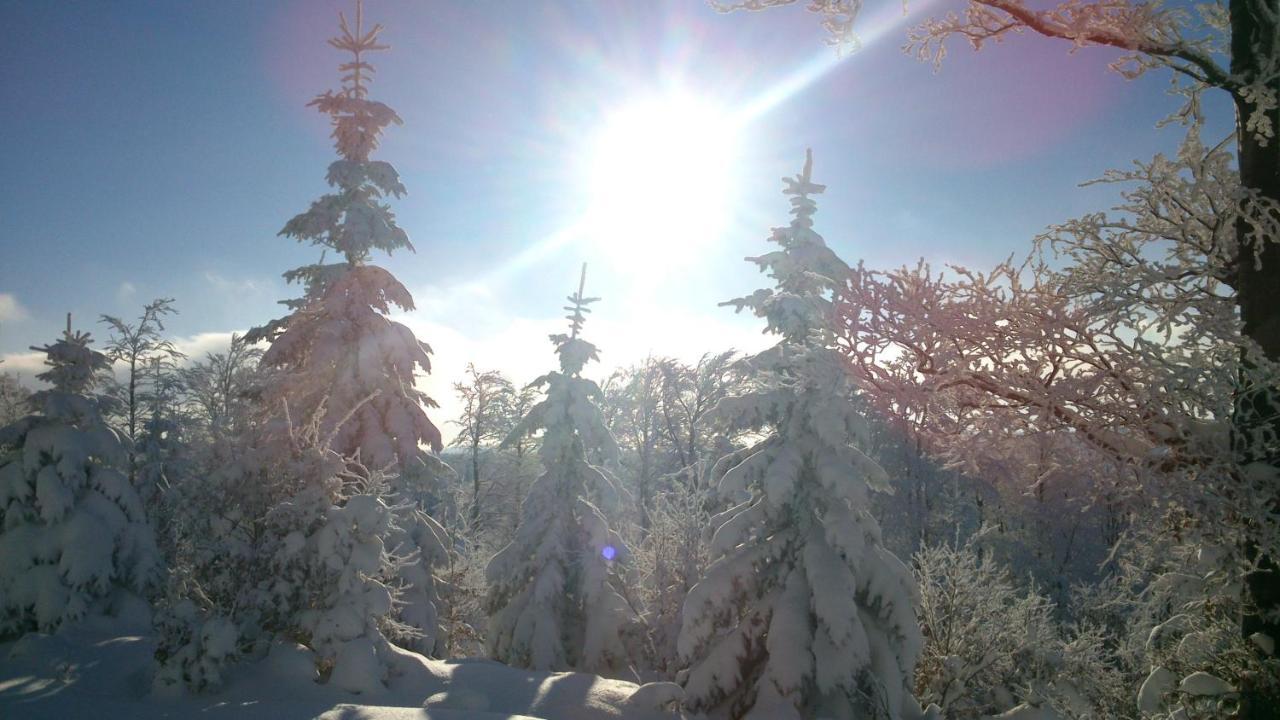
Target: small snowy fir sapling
[(338, 346), (195, 648), (802, 612), (72, 527), (341, 562), (557, 600), (301, 545)]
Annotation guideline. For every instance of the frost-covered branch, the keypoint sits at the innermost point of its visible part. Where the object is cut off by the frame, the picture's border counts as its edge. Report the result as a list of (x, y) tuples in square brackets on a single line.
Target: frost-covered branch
[(1154, 35)]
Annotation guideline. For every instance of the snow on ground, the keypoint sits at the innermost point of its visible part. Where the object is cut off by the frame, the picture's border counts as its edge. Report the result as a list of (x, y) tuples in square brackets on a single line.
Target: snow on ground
[(102, 669)]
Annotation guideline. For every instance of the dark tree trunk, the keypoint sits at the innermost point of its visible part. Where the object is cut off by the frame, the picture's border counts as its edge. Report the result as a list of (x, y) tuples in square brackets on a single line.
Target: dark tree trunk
[(1257, 411), (475, 486), (133, 417)]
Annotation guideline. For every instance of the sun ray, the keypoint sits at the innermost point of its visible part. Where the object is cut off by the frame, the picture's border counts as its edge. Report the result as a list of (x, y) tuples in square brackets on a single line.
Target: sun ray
[(617, 212), (872, 26)]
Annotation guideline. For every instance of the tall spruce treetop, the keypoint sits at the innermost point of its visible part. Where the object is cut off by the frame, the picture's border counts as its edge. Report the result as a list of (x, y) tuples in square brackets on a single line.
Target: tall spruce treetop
[(72, 527), (556, 596), (343, 358), (803, 612)]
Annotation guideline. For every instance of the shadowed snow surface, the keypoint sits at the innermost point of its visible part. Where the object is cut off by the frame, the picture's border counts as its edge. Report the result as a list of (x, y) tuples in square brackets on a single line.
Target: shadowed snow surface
[(102, 668)]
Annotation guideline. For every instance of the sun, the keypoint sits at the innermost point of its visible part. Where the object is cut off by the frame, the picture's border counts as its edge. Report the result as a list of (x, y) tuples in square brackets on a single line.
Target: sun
[(660, 180)]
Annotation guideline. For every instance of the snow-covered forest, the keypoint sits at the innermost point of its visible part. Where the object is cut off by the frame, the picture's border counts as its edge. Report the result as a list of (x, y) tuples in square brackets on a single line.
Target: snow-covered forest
[(1047, 488)]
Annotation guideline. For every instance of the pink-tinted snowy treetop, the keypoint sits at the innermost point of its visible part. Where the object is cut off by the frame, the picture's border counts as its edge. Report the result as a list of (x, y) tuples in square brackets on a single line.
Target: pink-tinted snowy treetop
[(344, 358)]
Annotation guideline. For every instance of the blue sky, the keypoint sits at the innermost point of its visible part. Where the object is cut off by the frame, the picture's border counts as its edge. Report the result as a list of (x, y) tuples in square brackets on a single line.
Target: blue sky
[(156, 148)]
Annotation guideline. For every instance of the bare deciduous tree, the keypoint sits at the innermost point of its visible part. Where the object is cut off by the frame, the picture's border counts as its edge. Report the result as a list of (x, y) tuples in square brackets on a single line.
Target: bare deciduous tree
[(485, 398), (149, 360)]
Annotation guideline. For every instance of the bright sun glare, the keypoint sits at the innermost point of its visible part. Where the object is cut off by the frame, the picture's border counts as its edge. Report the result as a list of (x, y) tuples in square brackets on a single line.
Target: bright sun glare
[(660, 174)]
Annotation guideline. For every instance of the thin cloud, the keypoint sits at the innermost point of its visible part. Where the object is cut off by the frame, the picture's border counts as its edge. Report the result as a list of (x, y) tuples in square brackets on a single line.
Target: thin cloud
[(24, 366), (236, 287), (11, 310)]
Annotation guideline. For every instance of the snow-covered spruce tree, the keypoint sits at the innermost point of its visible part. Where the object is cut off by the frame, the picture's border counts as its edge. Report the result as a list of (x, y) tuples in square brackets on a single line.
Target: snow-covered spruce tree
[(72, 528), (315, 530), (802, 612), (342, 360), (338, 347), (557, 598)]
